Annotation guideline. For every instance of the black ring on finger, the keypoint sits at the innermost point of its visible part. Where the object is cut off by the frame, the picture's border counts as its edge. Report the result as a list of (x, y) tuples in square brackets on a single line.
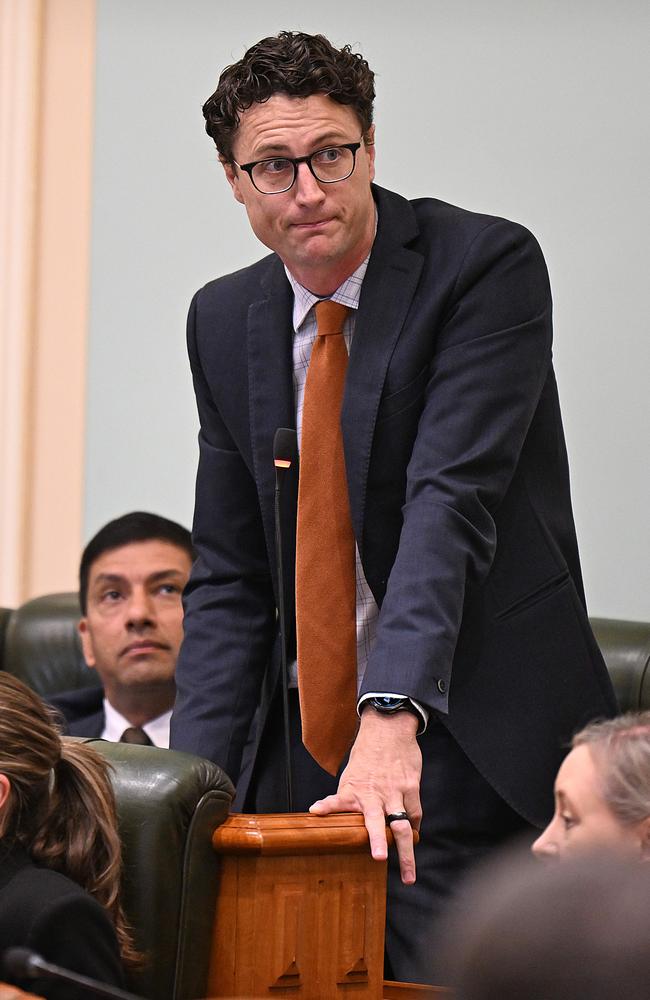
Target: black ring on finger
[(395, 817)]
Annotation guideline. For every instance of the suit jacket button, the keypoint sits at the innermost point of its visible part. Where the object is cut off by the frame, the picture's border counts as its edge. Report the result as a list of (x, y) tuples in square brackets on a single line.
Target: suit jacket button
[(442, 687)]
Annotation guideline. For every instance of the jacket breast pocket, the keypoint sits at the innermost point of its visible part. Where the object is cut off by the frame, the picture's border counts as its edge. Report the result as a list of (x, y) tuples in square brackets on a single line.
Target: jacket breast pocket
[(402, 399)]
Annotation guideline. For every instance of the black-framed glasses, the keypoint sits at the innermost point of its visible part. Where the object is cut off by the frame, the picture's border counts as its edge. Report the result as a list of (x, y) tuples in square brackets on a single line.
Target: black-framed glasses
[(277, 174)]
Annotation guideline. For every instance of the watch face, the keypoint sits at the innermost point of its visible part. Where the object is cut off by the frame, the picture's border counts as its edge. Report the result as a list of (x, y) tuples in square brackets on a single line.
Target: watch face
[(388, 704)]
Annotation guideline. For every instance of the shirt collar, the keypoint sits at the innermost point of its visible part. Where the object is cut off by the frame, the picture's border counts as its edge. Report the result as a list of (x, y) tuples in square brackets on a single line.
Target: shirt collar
[(156, 729)]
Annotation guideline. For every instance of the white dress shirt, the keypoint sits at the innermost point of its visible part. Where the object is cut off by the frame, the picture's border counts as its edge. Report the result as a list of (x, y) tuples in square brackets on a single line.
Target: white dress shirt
[(156, 729)]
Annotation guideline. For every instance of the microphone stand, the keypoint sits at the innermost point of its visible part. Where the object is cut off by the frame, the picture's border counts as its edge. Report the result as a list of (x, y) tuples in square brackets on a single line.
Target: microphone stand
[(285, 453), (22, 963)]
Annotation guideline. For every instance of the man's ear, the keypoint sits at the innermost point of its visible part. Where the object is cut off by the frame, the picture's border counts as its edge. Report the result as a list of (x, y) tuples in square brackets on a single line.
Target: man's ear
[(369, 143), (233, 177), (86, 642)]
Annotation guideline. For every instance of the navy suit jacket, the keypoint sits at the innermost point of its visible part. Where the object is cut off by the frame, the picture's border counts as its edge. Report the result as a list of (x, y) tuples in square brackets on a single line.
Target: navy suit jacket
[(459, 492), (82, 711)]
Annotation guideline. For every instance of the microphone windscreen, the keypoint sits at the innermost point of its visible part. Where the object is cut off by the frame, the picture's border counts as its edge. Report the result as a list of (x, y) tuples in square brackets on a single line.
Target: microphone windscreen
[(21, 963), (285, 445)]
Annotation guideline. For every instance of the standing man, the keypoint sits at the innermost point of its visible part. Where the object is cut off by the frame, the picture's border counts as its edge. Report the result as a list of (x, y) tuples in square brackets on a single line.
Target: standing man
[(437, 585), (131, 579)]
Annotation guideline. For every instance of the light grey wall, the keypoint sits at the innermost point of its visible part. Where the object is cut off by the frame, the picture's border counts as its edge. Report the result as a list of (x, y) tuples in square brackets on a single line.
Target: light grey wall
[(532, 110)]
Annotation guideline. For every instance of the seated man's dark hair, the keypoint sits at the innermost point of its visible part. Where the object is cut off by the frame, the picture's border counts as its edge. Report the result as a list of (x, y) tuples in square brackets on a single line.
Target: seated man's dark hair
[(139, 526), (292, 63)]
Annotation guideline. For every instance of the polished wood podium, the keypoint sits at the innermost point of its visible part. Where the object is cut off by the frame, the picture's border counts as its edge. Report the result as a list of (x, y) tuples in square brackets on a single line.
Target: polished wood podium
[(300, 911)]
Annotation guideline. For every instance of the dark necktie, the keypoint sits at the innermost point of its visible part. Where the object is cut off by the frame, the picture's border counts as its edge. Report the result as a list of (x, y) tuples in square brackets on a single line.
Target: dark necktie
[(325, 555), (136, 735)]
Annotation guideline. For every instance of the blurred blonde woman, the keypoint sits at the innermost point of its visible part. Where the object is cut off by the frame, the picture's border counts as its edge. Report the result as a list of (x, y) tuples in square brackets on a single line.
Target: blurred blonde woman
[(602, 791), (575, 931), (59, 849)]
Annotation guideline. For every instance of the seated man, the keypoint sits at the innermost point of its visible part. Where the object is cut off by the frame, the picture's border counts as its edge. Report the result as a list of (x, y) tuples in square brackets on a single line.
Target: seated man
[(131, 578)]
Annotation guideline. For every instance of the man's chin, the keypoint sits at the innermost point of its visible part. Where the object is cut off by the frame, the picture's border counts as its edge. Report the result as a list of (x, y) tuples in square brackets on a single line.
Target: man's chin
[(145, 671)]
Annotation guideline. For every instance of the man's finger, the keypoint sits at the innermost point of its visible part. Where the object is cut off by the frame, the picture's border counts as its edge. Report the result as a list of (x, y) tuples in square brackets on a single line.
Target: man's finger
[(335, 803), (373, 816), (413, 807), (375, 820), (403, 836)]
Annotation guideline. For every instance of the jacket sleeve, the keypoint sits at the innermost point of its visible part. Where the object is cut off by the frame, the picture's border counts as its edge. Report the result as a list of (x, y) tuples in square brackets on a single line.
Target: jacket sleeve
[(229, 606), (76, 933), (491, 361)]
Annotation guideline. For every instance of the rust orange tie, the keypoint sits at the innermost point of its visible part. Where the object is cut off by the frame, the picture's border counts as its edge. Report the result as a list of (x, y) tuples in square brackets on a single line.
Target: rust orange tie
[(325, 555)]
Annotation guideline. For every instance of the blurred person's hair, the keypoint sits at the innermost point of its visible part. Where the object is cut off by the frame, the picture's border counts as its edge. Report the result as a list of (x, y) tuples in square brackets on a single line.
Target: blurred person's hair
[(572, 931), (61, 806), (138, 526), (620, 748), (292, 63)]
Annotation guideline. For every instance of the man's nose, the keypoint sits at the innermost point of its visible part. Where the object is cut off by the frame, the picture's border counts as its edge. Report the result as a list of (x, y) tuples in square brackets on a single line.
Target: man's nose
[(141, 610), (307, 189)]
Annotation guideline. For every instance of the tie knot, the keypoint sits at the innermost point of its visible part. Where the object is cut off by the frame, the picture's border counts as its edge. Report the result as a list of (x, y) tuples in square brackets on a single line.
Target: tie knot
[(330, 317), (137, 736)]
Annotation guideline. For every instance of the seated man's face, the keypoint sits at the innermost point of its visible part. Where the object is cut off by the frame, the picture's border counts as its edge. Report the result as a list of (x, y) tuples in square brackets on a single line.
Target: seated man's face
[(133, 627)]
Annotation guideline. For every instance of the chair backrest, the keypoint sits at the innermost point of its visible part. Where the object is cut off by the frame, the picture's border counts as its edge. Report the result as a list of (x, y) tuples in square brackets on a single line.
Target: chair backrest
[(41, 645), (5, 616), (626, 649), (169, 804)]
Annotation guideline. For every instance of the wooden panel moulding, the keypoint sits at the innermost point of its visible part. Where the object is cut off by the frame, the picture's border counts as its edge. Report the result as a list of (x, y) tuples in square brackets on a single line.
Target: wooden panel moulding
[(301, 909)]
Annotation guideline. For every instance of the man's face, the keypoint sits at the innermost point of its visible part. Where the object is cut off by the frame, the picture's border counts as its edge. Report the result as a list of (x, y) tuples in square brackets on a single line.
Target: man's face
[(322, 232), (133, 627)]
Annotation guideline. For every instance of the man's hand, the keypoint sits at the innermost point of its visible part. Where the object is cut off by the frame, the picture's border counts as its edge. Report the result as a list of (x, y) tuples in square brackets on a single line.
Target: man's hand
[(383, 777)]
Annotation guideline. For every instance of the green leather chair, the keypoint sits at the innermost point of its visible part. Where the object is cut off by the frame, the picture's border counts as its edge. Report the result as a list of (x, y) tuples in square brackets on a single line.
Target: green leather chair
[(5, 615), (169, 804), (41, 645), (626, 649)]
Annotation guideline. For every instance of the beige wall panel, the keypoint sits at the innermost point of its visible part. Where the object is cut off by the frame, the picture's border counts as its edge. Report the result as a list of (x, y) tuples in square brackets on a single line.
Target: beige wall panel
[(61, 296), (46, 115), (20, 51)]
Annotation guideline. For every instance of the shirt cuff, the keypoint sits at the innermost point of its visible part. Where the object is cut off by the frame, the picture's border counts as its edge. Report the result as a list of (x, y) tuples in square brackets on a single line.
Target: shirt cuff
[(420, 709)]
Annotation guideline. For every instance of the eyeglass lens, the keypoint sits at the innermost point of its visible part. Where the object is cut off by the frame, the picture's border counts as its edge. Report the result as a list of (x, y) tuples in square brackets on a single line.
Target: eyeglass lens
[(328, 165)]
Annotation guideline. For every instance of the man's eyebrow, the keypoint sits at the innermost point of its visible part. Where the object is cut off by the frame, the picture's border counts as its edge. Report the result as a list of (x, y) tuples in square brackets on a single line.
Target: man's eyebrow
[(116, 578), (270, 149), (103, 578)]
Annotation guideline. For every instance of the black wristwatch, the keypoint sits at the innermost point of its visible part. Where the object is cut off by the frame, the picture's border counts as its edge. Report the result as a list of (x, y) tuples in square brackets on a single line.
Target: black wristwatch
[(388, 705)]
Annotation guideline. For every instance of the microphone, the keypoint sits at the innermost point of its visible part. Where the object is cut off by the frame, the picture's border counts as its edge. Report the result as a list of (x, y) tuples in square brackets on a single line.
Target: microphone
[(285, 454), (21, 963)]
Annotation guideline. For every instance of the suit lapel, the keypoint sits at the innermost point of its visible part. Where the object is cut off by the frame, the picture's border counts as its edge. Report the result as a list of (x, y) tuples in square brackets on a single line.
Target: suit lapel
[(270, 369), (90, 726), (388, 288)]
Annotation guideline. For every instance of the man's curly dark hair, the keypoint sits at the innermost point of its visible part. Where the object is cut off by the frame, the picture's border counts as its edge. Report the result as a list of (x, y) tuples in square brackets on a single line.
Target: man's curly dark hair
[(292, 63)]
